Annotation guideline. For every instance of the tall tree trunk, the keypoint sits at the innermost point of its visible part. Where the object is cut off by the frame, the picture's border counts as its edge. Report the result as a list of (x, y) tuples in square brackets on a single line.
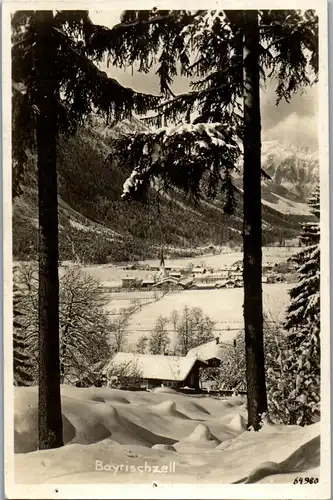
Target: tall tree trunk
[(49, 403), (252, 238)]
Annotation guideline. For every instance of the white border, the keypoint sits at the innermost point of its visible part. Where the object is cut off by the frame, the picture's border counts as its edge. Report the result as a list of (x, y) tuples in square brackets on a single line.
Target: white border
[(253, 491)]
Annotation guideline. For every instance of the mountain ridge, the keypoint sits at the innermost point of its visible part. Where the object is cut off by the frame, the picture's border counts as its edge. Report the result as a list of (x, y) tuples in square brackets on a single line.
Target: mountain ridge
[(90, 188)]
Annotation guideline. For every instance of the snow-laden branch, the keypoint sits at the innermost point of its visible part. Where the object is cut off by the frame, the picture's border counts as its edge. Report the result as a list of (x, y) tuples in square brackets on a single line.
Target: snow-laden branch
[(196, 158)]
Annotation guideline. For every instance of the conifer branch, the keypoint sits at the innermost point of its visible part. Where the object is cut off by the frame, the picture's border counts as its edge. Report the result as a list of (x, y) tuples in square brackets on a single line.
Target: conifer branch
[(91, 69), (191, 96)]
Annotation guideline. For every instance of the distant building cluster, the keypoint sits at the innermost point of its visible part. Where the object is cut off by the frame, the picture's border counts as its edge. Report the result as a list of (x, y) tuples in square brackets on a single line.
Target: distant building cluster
[(191, 278)]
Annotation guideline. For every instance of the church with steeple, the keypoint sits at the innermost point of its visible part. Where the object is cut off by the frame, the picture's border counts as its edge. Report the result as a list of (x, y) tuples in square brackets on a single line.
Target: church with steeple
[(162, 272)]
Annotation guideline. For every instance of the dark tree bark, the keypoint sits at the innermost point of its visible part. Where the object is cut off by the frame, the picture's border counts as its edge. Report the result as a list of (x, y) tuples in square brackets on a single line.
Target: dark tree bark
[(49, 403), (252, 238)]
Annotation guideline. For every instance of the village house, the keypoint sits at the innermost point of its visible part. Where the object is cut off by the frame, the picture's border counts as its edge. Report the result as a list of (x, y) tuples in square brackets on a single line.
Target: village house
[(199, 270), (229, 284), (202, 286), (210, 277), (129, 282), (212, 352), (147, 283), (109, 286), (180, 269), (186, 283), (220, 284), (168, 283), (239, 283), (157, 370), (237, 266)]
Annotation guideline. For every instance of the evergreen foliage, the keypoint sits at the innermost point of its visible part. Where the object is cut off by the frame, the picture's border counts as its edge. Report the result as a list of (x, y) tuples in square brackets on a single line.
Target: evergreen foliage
[(293, 358), (303, 320), (21, 358), (207, 46), (228, 53), (55, 86), (82, 88)]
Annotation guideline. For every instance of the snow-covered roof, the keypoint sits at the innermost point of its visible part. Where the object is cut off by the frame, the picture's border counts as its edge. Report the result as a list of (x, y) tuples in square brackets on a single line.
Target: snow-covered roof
[(210, 276), (110, 284), (203, 285), (186, 282), (207, 351), (157, 366), (166, 280)]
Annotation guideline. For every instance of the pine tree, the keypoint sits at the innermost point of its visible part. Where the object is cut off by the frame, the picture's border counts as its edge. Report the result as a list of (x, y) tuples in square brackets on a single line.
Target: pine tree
[(55, 86), (303, 322), (305, 300), (22, 364), (228, 53)]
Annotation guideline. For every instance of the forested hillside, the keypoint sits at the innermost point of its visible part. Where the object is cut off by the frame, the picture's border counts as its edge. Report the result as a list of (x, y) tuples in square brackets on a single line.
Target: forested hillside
[(97, 226)]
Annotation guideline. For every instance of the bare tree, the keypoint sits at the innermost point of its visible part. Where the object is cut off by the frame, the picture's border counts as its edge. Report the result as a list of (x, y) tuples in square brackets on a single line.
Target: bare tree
[(134, 304), (141, 345), (193, 329), (184, 332), (118, 333), (202, 327), (159, 340), (123, 376), (84, 326), (174, 317)]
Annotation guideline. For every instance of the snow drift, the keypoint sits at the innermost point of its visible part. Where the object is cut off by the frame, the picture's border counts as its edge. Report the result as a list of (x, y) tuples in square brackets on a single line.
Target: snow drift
[(204, 439)]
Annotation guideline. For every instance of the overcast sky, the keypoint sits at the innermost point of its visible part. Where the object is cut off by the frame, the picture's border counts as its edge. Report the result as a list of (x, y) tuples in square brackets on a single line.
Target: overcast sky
[(290, 123)]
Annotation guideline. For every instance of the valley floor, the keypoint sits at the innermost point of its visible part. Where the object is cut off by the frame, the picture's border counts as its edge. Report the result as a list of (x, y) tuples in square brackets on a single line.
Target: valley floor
[(223, 306), (114, 436)]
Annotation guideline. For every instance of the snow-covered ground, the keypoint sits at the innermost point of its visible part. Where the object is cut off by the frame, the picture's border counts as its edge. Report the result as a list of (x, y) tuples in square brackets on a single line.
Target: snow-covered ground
[(288, 207), (270, 256), (223, 306), (113, 273), (114, 436)]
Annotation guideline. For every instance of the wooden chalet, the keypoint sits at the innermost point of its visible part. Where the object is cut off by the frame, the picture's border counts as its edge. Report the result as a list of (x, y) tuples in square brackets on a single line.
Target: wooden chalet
[(211, 352), (158, 370)]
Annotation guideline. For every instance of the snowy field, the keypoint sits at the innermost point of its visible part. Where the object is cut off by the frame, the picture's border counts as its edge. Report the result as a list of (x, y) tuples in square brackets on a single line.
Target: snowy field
[(288, 207), (109, 273), (271, 256), (224, 306), (196, 438), (115, 301)]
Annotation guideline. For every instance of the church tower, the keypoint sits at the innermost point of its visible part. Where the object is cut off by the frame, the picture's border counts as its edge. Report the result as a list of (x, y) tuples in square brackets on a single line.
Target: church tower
[(162, 273)]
